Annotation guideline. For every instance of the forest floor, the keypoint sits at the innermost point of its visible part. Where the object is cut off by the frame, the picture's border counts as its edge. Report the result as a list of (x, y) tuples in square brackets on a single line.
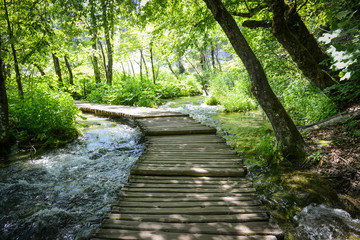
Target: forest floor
[(336, 156)]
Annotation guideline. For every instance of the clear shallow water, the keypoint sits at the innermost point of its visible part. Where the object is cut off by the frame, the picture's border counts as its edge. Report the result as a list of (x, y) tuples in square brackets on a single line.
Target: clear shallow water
[(64, 193), (319, 222), (313, 222)]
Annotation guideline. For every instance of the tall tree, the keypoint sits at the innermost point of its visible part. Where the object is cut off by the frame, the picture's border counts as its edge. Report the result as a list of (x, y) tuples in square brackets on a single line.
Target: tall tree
[(93, 31), (57, 68), (287, 135), (108, 25), (4, 112), (68, 66), (292, 33), (152, 63), (12, 40)]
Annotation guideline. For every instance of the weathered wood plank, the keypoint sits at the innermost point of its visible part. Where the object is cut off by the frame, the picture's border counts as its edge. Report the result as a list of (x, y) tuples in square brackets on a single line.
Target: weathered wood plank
[(192, 181), (183, 218), (195, 171), (121, 234), (227, 200), (129, 203), (199, 196), (125, 111), (247, 228), (189, 165), (221, 187), (192, 211), (188, 190), (191, 161), (208, 179)]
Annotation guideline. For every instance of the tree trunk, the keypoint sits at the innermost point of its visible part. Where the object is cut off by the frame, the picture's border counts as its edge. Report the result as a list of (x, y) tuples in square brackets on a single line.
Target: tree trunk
[(39, 69), (202, 52), (57, 68), (109, 71), (152, 65), (180, 66), (212, 54), (146, 69), (71, 77), (132, 67), (94, 40), (104, 59), (201, 77), (291, 32), (291, 141), (171, 69), (107, 31), (141, 73), (16, 64), (4, 111), (217, 59), (123, 68)]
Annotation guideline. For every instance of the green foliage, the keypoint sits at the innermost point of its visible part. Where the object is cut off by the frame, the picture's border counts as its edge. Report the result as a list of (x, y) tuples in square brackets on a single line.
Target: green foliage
[(129, 90), (231, 89), (211, 100), (266, 153), (353, 127), (304, 102), (44, 116)]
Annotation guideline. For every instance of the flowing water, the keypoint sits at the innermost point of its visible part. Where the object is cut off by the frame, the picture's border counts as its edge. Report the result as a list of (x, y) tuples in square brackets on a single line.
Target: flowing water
[(63, 193), (299, 201)]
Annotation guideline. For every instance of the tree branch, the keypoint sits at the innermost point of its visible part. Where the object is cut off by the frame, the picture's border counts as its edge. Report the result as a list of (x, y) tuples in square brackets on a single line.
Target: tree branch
[(251, 12), (257, 24)]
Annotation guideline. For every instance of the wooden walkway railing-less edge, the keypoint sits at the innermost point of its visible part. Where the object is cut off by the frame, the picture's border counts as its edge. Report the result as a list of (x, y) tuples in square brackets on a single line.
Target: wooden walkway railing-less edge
[(188, 184)]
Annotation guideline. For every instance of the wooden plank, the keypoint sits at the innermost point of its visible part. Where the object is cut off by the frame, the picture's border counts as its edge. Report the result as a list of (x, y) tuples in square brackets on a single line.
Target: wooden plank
[(187, 190), (121, 234), (182, 131), (183, 218), (226, 199), (199, 196), (129, 203), (192, 211), (221, 187), (189, 165), (190, 156), (208, 179), (165, 171), (235, 229), (191, 161), (190, 181)]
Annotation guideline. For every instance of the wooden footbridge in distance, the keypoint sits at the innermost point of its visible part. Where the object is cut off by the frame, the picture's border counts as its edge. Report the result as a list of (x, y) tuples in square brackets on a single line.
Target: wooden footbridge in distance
[(188, 184)]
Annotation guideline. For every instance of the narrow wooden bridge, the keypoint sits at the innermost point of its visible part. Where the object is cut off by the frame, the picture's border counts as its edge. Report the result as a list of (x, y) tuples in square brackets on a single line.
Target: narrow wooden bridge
[(188, 184)]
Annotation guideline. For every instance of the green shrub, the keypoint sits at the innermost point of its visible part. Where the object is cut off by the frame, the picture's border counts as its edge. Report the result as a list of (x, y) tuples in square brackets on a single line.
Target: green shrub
[(237, 102), (306, 103), (211, 100), (231, 89), (130, 90), (44, 116)]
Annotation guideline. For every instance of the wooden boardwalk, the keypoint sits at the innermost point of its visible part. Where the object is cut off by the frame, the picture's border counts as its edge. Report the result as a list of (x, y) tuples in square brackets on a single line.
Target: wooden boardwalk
[(188, 184)]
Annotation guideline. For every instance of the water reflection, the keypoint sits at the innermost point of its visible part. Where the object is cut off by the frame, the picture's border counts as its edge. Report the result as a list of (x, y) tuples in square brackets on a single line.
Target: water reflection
[(64, 193)]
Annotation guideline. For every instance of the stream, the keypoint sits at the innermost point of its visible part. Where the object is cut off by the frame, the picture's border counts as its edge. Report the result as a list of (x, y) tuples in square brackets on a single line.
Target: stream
[(64, 193)]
